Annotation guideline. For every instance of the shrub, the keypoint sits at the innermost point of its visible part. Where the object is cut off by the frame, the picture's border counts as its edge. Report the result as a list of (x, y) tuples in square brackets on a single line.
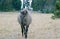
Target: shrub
[(57, 11)]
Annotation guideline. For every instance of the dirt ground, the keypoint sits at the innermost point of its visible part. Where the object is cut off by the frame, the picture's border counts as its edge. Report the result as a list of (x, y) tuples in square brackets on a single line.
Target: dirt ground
[(42, 26)]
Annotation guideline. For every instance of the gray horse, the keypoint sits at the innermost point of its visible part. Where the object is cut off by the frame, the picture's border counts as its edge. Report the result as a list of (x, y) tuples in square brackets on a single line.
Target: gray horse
[(24, 20)]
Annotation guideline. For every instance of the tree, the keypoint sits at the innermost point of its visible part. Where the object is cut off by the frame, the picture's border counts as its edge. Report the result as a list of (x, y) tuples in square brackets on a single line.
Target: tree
[(16, 4), (43, 5), (35, 5), (5, 5), (49, 6), (10, 5)]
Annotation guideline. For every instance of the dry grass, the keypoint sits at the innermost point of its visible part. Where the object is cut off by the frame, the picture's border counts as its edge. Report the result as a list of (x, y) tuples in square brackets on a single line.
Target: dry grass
[(42, 26)]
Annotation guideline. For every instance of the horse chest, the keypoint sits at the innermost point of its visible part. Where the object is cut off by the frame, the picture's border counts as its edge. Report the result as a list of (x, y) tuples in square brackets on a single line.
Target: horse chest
[(24, 20)]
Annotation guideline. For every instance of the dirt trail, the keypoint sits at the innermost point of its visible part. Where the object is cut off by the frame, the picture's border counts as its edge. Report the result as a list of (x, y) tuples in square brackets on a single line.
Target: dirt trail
[(42, 26)]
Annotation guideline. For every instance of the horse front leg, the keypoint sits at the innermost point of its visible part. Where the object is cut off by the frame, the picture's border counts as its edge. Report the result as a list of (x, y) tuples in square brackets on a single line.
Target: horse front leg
[(22, 30), (26, 31)]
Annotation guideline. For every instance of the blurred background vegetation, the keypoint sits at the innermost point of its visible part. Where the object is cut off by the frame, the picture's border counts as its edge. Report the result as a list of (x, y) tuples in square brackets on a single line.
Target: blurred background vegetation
[(57, 9), (10, 5), (45, 6)]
